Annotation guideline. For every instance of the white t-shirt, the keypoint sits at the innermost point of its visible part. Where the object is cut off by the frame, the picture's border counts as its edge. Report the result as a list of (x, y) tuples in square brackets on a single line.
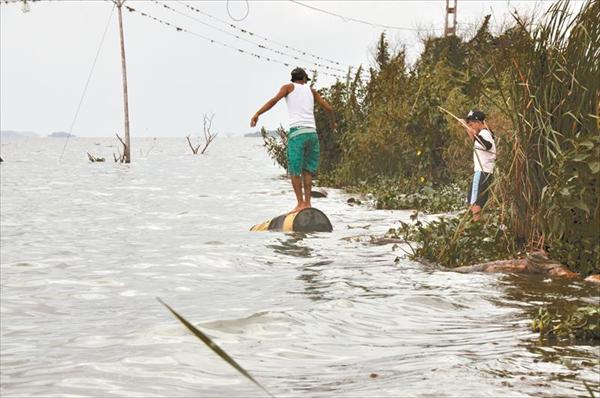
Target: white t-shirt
[(301, 106), (483, 158)]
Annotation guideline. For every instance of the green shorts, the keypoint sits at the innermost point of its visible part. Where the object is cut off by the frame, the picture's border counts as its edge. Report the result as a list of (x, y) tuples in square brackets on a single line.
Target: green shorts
[(303, 150)]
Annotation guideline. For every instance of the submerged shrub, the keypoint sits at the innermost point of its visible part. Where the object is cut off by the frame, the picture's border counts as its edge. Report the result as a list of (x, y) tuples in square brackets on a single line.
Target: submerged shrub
[(458, 241), (580, 326)]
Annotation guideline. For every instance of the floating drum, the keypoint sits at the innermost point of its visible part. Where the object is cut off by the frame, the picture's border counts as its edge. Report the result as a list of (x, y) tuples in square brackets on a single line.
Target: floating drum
[(306, 220)]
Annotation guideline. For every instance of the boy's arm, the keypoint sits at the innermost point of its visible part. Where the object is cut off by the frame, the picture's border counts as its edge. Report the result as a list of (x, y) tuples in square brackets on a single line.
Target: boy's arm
[(468, 129), (325, 105), (283, 91)]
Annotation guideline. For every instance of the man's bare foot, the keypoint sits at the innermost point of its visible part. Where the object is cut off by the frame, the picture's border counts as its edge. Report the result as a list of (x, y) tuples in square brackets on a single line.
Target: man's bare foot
[(296, 209)]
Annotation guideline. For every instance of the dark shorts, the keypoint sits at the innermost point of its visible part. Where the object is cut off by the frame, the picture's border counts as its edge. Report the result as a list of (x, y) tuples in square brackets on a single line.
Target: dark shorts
[(479, 192)]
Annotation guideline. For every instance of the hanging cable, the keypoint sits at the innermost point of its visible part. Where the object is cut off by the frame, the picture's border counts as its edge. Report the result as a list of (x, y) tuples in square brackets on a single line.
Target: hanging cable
[(244, 17), (88, 81), (213, 41), (296, 58), (252, 34), (348, 19)]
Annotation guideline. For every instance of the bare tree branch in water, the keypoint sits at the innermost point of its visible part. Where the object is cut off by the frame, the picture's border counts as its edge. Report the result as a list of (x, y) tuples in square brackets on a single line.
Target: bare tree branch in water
[(192, 147), (94, 158), (209, 136), (121, 158)]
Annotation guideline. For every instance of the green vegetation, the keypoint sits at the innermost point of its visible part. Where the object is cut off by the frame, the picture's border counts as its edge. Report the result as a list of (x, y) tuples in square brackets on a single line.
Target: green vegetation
[(538, 81), (458, 241), (581, 325), (276, 145)]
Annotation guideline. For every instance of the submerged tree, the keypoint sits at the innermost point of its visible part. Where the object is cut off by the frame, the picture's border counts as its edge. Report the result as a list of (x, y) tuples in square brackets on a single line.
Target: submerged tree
[(209, 136)]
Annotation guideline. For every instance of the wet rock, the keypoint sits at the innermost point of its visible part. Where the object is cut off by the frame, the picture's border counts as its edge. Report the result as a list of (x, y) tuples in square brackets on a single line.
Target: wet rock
[(593, 278), (353, 201), (318, 193)]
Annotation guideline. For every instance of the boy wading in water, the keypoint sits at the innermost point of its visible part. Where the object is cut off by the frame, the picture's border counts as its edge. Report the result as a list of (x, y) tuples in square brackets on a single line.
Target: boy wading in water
[(303, 143), (484, 157)]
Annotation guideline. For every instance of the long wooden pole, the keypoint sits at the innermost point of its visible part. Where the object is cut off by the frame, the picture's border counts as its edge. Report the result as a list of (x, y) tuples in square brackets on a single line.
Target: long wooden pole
[(127, 149)]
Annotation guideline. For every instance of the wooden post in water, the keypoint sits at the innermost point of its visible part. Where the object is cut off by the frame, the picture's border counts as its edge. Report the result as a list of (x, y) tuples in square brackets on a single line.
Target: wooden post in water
[(127, 149)]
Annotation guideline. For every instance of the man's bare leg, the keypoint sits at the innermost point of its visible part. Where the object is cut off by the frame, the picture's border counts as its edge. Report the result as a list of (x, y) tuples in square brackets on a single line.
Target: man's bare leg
[(297, 185), (307, 181)]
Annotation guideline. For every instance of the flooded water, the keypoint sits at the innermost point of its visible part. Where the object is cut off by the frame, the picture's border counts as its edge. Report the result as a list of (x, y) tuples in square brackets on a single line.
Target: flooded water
[(86, 249)]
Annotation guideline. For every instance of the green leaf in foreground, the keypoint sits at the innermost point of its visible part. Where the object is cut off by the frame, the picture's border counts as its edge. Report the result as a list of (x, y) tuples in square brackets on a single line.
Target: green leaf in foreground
[(206, 340)]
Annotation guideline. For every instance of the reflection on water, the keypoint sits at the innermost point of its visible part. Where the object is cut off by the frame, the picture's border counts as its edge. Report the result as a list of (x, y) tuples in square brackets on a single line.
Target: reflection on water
[(291, 245), (86, 248)]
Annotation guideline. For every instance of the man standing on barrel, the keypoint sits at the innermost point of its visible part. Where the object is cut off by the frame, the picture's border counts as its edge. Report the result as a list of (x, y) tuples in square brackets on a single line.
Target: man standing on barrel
[(303, 149)]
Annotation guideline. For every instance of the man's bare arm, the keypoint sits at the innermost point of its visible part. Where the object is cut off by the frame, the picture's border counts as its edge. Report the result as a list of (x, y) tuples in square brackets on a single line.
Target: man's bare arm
[(283, 91), (326, 107)]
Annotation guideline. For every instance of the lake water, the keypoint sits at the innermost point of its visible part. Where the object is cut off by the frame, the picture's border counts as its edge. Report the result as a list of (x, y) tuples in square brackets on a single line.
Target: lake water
[(86, 249)]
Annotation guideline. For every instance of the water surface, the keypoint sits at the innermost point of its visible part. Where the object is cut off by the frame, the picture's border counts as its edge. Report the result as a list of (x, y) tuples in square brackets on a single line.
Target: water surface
[(86, 248)]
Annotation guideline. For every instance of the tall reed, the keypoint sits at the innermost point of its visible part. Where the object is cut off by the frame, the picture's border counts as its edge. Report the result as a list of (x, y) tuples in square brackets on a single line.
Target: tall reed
[(550, 187)]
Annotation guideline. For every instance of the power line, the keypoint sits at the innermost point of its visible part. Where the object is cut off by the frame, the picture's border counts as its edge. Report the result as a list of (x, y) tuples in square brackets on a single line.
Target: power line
[(213, 41), (296, 58), (253, 34), (242, 18), (349, 19), (88, 80)]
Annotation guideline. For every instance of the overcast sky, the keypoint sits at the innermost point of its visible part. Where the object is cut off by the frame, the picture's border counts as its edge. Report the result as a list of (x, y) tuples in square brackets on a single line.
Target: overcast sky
[(176, 77)]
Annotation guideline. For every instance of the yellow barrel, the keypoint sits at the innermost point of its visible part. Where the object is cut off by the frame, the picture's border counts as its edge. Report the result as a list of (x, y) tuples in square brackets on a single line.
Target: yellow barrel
[(306, 220)]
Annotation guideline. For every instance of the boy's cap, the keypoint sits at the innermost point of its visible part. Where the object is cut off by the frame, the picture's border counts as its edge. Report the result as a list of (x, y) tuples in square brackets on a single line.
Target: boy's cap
[(475, 114), (299, 74)]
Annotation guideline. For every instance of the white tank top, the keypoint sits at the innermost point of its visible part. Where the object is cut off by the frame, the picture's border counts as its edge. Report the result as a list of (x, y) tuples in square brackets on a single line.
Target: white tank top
[(301, 104)]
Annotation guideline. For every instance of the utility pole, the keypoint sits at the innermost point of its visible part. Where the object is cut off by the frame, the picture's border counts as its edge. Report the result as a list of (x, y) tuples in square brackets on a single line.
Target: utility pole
[(450, 27), (127, 149)]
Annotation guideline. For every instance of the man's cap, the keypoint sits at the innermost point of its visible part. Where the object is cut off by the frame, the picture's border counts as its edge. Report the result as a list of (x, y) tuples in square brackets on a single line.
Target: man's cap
[(475, 114), (299, 74)]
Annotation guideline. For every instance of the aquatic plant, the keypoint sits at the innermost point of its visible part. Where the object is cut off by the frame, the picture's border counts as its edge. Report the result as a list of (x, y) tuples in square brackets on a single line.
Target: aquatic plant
[(458, 241), (581, 325)]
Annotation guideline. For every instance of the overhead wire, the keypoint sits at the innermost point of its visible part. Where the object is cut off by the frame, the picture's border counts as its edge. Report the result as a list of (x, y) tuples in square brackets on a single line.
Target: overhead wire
[(349, 19), (259, 45), (242, 18), (87, 83), (214, 41), (253, 34)]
